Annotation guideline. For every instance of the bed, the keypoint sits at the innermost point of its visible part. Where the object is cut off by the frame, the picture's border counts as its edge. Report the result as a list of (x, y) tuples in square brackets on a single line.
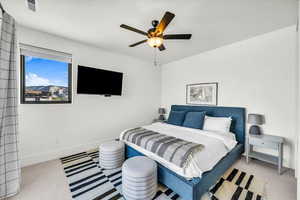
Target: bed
[(193, 189)]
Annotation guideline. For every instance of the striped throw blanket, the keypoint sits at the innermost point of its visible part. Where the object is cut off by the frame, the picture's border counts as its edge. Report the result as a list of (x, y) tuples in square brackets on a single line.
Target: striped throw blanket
[(174, 150)]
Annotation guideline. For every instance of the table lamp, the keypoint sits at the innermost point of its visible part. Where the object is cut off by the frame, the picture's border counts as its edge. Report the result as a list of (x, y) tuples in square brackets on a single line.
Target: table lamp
[(255, 120), (161, 112)]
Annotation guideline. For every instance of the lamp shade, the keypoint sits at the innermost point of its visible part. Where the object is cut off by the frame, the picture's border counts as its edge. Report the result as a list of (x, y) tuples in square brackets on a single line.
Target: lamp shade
[(161, 111), (255, 119)]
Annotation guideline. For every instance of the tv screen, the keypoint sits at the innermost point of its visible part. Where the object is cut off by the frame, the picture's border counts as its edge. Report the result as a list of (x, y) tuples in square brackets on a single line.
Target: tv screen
[(98, 81)]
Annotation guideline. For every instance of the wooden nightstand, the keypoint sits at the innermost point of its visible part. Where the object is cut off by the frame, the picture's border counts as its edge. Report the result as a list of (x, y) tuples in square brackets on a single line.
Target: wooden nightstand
[(265, 141)]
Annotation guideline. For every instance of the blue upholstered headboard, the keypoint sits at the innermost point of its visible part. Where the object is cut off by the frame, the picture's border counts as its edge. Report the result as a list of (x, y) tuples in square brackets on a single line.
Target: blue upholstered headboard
[(237, 115)]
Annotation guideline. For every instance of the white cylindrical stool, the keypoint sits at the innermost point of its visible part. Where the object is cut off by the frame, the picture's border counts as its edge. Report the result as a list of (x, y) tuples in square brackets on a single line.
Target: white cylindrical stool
[(139, 178), (111, 154)]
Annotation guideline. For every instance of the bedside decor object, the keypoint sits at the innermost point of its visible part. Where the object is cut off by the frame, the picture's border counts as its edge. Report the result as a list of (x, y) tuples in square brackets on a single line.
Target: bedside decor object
[(256, 120), (161, 112), (202, 94), (265, 141)]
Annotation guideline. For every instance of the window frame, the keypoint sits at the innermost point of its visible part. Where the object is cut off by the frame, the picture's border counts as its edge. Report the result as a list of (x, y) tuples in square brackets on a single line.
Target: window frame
[(22, 86)]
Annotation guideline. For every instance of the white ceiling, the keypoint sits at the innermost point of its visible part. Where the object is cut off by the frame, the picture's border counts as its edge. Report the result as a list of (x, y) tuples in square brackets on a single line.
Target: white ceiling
[(213, 23)]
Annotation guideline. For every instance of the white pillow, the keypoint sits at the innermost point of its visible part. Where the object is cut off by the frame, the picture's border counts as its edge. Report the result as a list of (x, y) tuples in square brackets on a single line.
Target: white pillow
[(218, 124)]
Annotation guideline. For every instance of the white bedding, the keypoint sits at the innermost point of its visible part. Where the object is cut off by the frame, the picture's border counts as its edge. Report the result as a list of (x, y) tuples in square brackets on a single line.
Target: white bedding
[(217, 145)]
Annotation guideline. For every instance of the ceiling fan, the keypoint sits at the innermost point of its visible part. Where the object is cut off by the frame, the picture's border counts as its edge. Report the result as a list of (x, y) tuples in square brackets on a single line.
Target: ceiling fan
[(155, 35)]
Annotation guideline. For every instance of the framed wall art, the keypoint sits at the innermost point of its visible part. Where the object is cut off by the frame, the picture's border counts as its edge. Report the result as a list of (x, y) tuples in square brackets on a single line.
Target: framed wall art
[(202, 94)]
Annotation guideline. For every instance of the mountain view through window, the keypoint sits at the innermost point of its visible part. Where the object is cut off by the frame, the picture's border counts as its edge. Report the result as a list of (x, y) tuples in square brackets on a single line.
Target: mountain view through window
[(45, 80)]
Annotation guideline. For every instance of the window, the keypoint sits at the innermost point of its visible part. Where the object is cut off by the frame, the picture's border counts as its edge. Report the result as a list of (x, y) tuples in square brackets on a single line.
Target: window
[(46, 76)]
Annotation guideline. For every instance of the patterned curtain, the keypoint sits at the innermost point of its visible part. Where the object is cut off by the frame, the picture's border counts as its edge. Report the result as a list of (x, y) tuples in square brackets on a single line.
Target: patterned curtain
[(9, 160)]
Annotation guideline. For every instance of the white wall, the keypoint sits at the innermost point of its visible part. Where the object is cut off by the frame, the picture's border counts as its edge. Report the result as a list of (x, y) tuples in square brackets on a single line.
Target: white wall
[(258, 74), (51, 131), (297, 158)]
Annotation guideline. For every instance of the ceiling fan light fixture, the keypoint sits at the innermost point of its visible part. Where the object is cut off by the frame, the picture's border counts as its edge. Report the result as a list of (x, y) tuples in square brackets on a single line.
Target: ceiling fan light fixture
[(155, 41), (155, 35)]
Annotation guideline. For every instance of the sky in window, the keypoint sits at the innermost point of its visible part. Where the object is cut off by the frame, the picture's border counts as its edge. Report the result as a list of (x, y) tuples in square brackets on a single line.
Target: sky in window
[(44, 72)]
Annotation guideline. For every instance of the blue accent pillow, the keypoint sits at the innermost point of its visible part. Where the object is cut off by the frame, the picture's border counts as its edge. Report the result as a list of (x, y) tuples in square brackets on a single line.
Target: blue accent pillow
[(176, 117), (194, 120)]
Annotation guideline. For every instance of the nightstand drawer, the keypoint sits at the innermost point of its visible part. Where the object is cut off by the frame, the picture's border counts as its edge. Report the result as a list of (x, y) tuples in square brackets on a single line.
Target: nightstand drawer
[(262, 143)]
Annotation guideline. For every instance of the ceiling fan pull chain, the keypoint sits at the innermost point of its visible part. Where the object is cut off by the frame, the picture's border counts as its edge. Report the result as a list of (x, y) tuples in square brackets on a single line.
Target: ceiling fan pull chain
[(155, 57)]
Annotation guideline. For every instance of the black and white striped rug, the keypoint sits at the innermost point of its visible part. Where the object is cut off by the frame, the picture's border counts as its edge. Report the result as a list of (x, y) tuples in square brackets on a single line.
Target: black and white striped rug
[(238, 185), (88, 181)]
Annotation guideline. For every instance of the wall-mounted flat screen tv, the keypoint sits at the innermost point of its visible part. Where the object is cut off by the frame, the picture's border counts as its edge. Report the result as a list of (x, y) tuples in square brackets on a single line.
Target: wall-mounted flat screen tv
[(98, 81)]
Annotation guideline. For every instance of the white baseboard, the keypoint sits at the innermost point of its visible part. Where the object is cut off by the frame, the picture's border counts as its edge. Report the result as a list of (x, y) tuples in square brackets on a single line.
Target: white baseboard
[(57, 153)]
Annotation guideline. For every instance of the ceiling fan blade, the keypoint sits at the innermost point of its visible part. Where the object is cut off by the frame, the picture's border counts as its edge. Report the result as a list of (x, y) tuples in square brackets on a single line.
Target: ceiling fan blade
[(167, 18), (135, 44), (178, 37), (162, 47), (133, 29)]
